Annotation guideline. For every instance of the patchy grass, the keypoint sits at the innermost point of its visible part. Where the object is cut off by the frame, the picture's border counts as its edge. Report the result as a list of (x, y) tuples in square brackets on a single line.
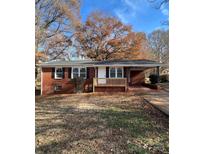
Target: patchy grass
[(99, 123)]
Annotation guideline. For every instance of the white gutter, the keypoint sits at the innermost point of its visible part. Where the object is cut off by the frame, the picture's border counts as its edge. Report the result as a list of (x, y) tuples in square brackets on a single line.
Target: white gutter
[(56, 65), (133, 65)]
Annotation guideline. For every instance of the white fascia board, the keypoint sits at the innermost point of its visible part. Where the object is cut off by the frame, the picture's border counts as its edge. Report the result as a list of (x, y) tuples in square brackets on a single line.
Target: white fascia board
[(76, 65), (112, 65), (131, 65)]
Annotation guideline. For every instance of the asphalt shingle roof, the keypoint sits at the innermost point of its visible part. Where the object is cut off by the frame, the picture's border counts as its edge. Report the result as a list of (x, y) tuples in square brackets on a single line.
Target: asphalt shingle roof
[(101, 63), (67, 63), (125, 62)]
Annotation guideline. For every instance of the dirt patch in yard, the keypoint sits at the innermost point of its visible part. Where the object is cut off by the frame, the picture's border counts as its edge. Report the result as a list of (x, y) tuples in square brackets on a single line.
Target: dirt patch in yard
[(99, 123)]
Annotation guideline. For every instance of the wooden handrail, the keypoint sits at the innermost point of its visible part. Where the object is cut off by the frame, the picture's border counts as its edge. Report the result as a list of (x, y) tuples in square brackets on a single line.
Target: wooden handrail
[(111, 78), (110, 81)]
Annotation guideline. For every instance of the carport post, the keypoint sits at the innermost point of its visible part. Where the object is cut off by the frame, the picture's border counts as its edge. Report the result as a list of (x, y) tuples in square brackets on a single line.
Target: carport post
[(157, 74)]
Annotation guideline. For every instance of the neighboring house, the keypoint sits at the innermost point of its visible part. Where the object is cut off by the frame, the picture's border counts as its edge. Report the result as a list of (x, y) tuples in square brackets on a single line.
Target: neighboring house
[(103, 76)]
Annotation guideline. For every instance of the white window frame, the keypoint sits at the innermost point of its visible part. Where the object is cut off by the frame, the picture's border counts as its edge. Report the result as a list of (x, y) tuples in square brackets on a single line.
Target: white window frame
[(72, 72), (55, 88), (79, 72), (85, 72), (122, 72), (56, 77), (116, 72), (110, 72)]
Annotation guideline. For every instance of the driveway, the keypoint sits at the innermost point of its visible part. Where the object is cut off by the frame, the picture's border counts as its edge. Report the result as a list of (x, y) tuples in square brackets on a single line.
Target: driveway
[(99, 123), (159, 99)]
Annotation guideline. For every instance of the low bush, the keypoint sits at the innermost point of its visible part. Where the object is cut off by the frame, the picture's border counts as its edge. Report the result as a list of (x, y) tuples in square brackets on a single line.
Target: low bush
[(153, 78), (164, 78), (78, 82)]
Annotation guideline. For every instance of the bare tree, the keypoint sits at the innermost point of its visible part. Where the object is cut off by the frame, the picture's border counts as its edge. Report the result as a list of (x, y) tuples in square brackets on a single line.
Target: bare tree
[(55, 22), (159, 44)]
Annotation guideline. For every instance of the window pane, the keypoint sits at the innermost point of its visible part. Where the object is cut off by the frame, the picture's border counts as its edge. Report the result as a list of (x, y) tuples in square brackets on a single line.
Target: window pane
[(82, 72), (82, 75), (119, 72), (112, 72), (75, 75), (59, 72), (75, 72)]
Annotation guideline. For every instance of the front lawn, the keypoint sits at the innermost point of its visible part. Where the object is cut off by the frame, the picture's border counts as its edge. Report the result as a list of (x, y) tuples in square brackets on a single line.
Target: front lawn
[(99, 123)]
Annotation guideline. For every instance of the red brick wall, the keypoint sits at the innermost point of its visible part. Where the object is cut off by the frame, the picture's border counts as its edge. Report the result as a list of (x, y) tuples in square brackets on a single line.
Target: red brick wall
[(109, 89), (48, 82), (88, 85)]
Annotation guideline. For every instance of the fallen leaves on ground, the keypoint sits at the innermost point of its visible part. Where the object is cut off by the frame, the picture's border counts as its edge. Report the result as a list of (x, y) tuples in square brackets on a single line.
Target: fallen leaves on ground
[(99, 123)]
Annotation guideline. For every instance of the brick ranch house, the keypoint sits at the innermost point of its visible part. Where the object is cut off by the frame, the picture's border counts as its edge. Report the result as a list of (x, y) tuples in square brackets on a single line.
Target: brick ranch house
[(103, 76)]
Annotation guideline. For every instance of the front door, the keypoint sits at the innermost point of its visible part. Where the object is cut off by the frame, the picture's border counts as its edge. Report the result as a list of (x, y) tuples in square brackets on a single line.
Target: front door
[(101, 75)]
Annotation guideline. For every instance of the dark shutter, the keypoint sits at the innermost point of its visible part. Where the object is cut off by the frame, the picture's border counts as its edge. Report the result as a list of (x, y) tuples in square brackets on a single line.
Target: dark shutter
[(53, 73), (88, 72), (69, 72), (63, 73), (107, 72), (125, 72)]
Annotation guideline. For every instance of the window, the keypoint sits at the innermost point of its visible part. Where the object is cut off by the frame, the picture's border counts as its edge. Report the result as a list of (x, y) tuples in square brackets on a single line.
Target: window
[(112, 72), (57, 88), (116, 72), (83, 72), (75, 72), (119, 72), (79, 72), (58, 73)]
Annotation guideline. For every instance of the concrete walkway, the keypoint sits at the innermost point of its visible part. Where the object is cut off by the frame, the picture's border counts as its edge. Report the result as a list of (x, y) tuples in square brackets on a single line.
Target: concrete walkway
[(159, 99)]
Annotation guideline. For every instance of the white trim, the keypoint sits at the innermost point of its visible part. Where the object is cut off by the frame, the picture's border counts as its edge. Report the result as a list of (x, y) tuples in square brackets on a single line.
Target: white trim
[(78, 67), (55, 73), (136, 65), (97, 65), (122, 71), (85, 72), (59, 65), (41, 81), (118, 65), (71, 73)]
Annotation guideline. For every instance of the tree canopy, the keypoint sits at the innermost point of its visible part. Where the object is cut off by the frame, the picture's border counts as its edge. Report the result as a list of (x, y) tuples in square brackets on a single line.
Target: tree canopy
[(104, 37), (58, 27)]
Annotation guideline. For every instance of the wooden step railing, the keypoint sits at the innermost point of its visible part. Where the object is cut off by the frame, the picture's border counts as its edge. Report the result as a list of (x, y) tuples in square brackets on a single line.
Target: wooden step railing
[(109, 82)]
